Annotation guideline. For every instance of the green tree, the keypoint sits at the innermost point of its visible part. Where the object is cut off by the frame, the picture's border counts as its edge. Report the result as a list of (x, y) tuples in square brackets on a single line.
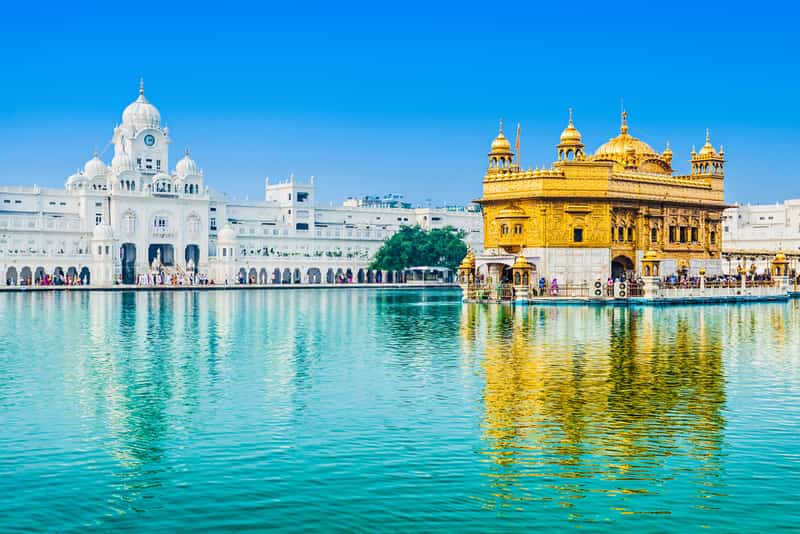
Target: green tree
[(412, 246)]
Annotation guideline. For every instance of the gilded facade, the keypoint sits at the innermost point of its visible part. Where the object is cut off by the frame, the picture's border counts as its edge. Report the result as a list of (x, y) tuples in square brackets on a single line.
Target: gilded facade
[(588, 216)]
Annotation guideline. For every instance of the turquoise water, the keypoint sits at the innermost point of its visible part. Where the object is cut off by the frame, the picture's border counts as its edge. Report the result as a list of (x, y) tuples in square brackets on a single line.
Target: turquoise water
[(369, 410)]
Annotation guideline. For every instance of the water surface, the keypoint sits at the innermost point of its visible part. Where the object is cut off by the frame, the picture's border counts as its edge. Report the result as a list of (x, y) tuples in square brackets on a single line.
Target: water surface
[(367, 410)]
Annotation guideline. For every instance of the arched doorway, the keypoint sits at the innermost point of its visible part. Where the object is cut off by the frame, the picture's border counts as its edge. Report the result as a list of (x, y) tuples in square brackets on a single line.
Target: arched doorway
[(621, 265), (192, 252), (276, 276), (252, 276), (297, 276), (72, 275), (287, 276), (38, 275), (128, 252), (360, 276), (389, 277), (165, 252), (370, 277), (26, 276), (11, 276), (85, 276), (58, 275), (339, 276), (241, 278), (314, 276), (263, 276), (330, 277), (349, 275)]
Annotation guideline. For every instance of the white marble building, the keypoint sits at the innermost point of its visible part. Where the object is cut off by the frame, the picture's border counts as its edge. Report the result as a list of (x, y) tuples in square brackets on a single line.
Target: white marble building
[(753, 234), (110, 222)]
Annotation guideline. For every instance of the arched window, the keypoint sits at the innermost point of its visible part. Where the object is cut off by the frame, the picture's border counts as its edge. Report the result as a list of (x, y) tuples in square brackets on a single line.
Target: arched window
[(129, 222), (620, 234), (713, 238), (504, 229), (630, 233), (653, 235)]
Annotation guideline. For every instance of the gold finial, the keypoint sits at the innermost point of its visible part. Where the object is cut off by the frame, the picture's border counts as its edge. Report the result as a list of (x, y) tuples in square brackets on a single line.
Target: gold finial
[(708, 136), (623, 129), (500, 130), (141, 86), (570, 116)]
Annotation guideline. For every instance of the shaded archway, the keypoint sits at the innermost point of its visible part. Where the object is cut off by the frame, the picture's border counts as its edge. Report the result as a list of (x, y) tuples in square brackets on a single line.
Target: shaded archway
[(389, 277), (38, 275), (370, 277), (276, 276), (72, 275), (360, 276), (58, 274), (339, 276), (621, 265), (165, 252), (85, 276), (314, 276), (241, 278), (330, 276), (298, 276), (379, 277), (252, 276), (263, 276), (349, 275), (128, 252), (11, 276), (192, 252), (287, 276), (25, 276)]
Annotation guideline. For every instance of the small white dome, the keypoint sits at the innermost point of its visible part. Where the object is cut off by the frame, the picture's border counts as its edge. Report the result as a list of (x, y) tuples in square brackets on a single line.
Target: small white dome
[(187, 166), (141, 113), (121, 163), (75, 178), (226, 235), (102, 232), (95, 167)]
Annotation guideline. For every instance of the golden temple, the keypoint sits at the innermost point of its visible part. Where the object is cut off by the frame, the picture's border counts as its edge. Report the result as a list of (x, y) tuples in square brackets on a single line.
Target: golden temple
[(590, 216)]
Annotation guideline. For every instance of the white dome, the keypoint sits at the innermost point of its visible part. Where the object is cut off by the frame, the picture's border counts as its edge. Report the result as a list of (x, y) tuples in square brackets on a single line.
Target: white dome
[(121, 163), (77, 177), (102, 232), (94, 167), (187, 166), (140, 113), (226, 235)]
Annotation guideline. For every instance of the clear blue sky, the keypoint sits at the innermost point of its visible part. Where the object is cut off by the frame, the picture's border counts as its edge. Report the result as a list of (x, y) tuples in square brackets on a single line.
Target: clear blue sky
[(373, 98)]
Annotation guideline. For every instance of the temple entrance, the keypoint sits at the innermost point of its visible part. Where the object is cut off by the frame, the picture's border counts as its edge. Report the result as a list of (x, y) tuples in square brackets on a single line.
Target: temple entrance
[(621, 265), (192, 252), (128, 252), (166, 253), (85, 276)]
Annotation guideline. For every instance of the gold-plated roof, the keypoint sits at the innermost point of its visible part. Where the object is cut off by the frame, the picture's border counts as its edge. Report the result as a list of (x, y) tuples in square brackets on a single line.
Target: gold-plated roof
[(624, 145), (501, 145), (521, 263), (708, 149), (570, 135)]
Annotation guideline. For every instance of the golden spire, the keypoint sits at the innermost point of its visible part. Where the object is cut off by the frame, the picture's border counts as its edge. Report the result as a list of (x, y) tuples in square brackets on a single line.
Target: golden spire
[(623, 129), (500, 130)]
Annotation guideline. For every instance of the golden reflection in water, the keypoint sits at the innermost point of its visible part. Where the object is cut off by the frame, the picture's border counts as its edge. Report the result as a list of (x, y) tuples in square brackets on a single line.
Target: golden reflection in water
[(581, 401)]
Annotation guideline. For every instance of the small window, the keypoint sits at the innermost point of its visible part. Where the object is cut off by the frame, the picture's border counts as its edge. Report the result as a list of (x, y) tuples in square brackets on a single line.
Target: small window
[(504, 229), (98, 218), (630, 233), (694, 235), (577, 235), (517, 229), (654, 235), (301, 226), (712, 237), (302, 196)]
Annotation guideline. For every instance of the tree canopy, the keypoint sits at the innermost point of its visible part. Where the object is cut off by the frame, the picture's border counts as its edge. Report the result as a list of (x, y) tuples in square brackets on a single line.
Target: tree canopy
[(412, 246)]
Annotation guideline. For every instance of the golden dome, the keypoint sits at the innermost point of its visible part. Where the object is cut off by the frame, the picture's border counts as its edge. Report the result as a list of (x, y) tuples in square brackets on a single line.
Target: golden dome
[(650, 255), (501, 145), (570, 135), (780, 257), (521, 263), (708, 149)]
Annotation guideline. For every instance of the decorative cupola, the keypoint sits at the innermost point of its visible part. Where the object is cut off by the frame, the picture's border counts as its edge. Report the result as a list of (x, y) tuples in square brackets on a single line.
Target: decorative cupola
[(667, 154), (501, 157), (570, 146), (708, 162)]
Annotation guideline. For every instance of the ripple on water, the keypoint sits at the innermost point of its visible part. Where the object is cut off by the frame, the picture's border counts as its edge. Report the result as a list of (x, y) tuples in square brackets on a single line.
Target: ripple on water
[(378, 410)]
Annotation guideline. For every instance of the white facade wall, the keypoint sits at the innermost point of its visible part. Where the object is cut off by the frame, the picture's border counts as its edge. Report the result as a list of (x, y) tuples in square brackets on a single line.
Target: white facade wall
[(109, 220)]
